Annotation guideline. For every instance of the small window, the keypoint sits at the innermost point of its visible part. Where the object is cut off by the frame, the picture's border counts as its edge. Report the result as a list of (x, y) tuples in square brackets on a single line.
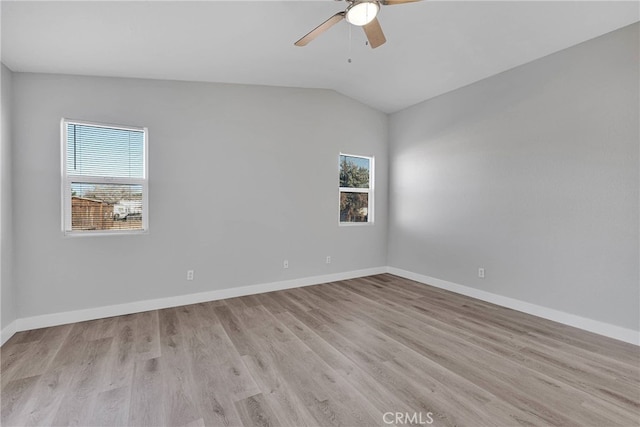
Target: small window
[(104, 178), (356, 189)]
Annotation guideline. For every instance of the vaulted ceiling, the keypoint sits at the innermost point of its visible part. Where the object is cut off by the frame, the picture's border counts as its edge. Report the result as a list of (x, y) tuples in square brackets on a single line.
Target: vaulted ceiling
[(432, 46)]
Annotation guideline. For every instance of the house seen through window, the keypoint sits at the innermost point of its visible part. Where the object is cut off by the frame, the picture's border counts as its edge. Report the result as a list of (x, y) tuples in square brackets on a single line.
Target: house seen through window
[(356, 189), (104, 178)]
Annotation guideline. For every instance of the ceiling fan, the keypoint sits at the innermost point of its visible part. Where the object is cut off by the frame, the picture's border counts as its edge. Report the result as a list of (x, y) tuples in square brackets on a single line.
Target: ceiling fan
[(361, 13)]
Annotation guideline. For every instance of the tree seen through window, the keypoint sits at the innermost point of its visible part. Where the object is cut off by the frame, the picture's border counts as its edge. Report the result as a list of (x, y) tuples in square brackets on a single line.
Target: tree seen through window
[(355, 189)]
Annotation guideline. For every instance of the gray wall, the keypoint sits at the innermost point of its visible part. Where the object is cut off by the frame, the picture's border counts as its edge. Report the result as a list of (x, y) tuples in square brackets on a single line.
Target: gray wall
[(7, 306), (241, 177), (533, 175)]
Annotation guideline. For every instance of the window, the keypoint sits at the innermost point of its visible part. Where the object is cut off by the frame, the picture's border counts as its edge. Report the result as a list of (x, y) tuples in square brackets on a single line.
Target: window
[(104, 178), (356, 189)]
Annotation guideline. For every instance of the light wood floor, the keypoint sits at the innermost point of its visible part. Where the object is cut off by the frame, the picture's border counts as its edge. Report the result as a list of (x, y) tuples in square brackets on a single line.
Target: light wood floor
[(337, 354)]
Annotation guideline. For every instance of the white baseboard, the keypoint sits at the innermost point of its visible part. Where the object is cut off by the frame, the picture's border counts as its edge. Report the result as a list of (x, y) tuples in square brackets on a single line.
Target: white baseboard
[(55, 319), (8, 331), (612, 331)]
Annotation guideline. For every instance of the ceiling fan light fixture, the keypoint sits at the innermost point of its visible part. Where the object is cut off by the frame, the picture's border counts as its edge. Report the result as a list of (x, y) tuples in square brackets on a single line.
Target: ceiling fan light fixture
[(361, 13)]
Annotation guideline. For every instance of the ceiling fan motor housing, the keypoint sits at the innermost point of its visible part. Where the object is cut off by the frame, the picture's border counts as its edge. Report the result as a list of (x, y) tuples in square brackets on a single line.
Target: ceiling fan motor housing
[(360, 13)]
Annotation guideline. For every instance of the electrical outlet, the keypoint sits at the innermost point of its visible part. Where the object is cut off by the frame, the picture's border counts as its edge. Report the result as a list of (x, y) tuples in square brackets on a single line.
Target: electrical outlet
[(189, 274), (328, 261), (481, 273), (285, 264)]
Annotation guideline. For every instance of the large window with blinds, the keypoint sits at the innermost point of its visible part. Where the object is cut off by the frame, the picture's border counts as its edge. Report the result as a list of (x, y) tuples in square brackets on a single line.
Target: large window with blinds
[(104, 178)]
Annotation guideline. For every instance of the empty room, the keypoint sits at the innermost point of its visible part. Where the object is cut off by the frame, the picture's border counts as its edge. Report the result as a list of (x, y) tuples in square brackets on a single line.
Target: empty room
[(320, 213)]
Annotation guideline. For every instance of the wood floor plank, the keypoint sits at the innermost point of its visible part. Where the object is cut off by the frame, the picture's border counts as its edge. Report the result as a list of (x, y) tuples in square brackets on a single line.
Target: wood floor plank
[(255, 412), (73, 347), (15, 396), (168, 322), (377, 368), (30, 336), (324, 393), (56, 382), (206, 314), (121, 355), (251, 300), (146, 405), (283, 400), (234, 331), (346, 353), (11, 357), (311, 379), (111, 407), (267, 301), (237, 302), (147, 336), (232, 371), (178, 400), (377, 393), (210, 386), (100, 328), (77, 404), (250, 317), (196, 423)]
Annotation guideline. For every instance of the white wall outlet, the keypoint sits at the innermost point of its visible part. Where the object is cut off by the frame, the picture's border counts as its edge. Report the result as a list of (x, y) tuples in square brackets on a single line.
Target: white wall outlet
[(189, 274), (328, 260), (285, 264), (481, 273)]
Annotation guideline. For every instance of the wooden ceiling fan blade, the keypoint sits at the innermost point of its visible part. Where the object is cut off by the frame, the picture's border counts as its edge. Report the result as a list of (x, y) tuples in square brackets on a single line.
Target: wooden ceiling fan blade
[(320, 29), (374, 33), (392, 2)]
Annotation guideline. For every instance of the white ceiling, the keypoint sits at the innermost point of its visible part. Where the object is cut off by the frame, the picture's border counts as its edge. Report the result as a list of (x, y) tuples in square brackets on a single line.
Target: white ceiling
[(432, 47)]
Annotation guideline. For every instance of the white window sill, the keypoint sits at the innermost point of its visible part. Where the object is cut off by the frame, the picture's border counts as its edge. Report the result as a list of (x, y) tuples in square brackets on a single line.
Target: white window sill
[(105, 233)]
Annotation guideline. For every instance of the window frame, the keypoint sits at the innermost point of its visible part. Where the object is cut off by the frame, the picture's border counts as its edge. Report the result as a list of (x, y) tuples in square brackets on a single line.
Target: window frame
[(370, 191), (67, 179)]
